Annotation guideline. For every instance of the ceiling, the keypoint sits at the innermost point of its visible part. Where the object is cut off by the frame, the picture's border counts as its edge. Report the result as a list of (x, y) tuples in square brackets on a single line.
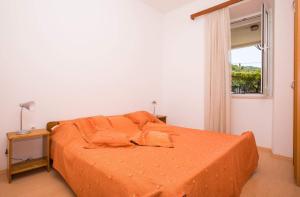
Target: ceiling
[(166, 5), (247, 7)]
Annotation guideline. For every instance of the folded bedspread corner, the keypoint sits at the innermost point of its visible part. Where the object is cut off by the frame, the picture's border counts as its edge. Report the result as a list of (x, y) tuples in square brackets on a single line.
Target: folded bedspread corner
[(248, 158), (250, 146)]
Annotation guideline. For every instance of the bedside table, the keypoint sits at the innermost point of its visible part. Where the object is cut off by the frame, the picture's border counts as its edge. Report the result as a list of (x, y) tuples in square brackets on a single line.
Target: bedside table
[(24, 166), (162, 118)]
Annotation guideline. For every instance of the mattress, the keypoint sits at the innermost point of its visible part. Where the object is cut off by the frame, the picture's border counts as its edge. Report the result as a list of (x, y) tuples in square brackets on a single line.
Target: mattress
[(202, 163)]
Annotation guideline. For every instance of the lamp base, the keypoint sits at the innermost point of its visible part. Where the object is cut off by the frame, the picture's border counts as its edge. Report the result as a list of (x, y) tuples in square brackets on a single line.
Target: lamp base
[(22, 132)]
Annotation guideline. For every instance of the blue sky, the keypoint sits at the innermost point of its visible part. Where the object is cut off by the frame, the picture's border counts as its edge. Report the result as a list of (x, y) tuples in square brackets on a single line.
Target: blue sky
[(247, 56)]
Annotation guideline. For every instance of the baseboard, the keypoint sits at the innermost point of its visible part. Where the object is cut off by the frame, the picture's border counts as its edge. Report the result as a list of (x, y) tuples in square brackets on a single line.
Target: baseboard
[(274, 155), (264, 149)]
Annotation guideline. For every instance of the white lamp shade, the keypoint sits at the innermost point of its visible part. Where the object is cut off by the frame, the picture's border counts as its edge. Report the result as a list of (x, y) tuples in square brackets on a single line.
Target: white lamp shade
[(28, 105)]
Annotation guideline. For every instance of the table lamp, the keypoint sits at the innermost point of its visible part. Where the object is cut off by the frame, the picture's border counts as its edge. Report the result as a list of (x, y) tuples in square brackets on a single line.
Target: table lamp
[(29, 106), (154, 107)]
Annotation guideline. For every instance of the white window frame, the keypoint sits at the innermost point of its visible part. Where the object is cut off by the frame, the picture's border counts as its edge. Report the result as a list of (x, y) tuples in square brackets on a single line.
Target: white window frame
[(267, 54)]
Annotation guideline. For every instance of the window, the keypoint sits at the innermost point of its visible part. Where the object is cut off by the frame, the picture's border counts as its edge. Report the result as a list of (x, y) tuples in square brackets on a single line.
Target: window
[(251, 55), (246, 70)]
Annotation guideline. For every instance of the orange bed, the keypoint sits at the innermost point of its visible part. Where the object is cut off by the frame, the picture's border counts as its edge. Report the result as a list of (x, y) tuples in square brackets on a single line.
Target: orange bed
[(201, 163)]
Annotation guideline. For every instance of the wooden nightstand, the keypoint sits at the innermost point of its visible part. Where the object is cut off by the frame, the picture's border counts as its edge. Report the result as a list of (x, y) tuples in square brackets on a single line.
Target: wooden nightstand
[(17, 168), (162, 118)]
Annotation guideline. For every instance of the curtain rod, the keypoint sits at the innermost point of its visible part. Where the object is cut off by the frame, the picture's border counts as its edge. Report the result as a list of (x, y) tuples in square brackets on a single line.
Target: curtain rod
[(214, 8)]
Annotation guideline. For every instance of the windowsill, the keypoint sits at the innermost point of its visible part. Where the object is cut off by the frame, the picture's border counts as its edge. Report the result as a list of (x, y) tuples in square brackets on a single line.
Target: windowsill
[(250, 96)]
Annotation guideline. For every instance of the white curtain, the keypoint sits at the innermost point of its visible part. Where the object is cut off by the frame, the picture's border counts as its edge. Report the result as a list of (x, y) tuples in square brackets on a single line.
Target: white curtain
[(218, 72)]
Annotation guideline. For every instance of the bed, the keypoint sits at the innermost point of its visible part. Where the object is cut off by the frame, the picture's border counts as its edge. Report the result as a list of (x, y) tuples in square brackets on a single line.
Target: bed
[(202, 163)]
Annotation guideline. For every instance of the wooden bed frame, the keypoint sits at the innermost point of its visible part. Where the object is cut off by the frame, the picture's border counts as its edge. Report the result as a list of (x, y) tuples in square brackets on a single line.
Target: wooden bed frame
[(50, 125)]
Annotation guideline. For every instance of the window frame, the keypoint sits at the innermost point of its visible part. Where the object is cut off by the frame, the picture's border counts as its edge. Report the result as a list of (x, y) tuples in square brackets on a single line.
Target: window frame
[(268, 52), (267, 55), (248, 95)]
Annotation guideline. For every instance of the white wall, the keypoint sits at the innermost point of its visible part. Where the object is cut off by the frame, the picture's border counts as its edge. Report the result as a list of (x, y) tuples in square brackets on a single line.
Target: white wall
[(183, 79), (283, 77), (75, 58), (183, 65), (183, 62), (78, 58), (254, 115)]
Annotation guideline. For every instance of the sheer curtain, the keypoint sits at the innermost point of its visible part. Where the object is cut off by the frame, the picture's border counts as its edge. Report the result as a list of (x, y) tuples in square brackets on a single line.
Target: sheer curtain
[(218, 72)]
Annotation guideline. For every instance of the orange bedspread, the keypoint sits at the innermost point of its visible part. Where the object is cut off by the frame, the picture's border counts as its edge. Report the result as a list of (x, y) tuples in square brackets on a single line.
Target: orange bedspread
[(201, 164)]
